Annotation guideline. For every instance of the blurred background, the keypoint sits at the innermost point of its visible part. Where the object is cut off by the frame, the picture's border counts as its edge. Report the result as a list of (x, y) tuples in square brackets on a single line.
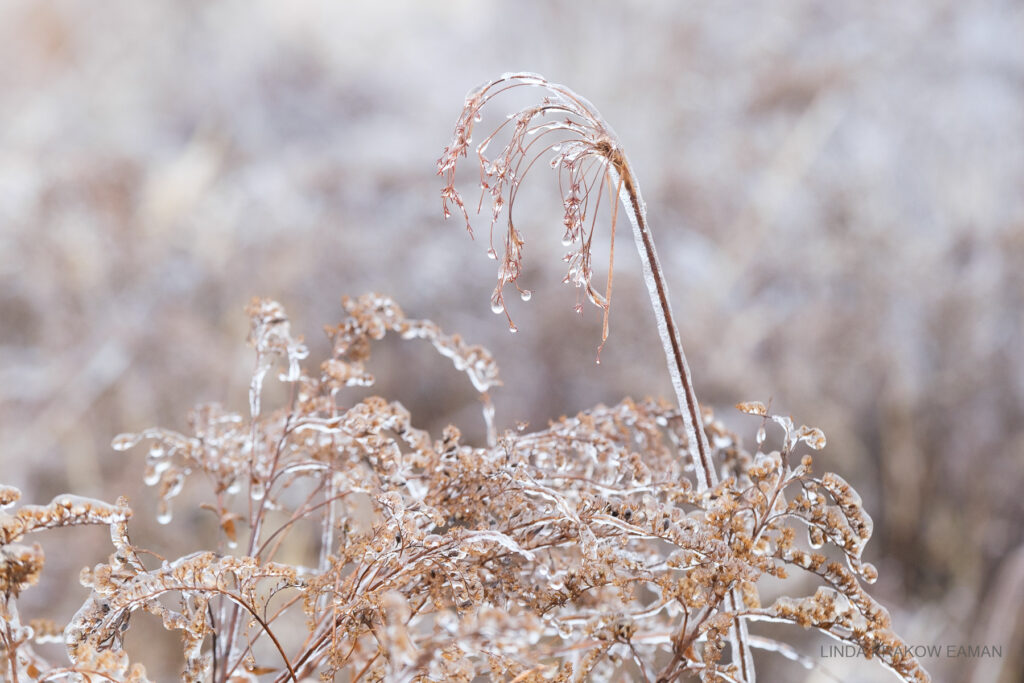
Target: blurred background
[(837, 192)]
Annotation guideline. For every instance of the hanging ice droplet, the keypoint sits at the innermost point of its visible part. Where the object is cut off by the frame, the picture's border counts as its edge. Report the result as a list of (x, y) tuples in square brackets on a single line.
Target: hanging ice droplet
[(512, 328), (525, 294), (123, 442), (491, 254), (478, 117), (564, 629), (163, 513), (761, 436), (154, 471), (497, 305), (567, 242)]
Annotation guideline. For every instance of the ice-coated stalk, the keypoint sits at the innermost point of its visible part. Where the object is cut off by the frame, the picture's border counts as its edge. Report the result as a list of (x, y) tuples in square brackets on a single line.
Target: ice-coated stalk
[(588, 137), (657, 288), (679, 371)]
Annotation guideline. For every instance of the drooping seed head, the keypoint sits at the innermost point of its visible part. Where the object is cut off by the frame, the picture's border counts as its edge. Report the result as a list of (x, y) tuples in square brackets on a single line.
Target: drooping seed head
[(563, 128)]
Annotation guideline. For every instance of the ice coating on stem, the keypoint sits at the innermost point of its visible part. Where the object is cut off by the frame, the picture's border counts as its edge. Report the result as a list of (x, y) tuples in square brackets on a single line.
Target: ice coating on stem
[(588, 161), (526, 552), (633, 204), (64, 510), (592, 140), (270, 335)]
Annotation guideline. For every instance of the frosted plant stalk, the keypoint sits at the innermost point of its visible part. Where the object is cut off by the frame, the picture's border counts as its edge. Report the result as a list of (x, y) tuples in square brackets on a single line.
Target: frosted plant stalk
[(588, 159), (589, 156)]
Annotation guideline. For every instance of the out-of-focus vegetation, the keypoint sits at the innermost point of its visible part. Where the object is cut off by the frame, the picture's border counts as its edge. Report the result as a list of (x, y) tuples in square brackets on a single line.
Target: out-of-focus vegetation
[(836, 192)]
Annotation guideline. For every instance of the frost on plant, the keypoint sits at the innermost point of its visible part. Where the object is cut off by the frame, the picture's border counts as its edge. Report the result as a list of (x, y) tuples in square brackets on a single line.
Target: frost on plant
[(582, 551), (629, 542), (580, 150)]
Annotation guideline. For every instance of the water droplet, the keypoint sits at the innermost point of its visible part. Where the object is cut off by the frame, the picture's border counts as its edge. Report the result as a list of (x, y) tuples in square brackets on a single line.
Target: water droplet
[(175, 482), (154, 471), (491, 254), (564, 629), (525, 294), (478, 117), (556, 148), (567, 241), (123, 442), (512, 328), (163, 516), (496, 304)]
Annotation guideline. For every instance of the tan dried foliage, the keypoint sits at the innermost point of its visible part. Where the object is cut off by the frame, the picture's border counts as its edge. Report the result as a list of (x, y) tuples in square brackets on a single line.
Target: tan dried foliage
[(579, 550), (589, 549)]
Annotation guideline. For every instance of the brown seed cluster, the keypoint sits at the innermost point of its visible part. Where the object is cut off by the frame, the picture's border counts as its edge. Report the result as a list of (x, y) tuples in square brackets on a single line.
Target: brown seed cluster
[(581, 551)]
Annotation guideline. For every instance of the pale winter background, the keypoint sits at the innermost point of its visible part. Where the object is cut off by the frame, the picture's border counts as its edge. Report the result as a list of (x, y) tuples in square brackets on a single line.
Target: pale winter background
[(837, 191)]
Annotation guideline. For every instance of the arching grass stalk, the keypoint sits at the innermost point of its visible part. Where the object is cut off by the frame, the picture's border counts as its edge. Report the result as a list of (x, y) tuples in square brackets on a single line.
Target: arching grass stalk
[(588, 158)]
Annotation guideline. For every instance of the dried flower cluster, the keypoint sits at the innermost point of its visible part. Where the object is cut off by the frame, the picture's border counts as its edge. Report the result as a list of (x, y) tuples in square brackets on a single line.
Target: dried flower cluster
[(581, 550), (626, 542)]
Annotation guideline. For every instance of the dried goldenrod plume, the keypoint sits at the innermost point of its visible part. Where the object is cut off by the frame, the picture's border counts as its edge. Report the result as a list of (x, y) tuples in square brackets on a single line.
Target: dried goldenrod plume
[(20, 568), (582, 551)]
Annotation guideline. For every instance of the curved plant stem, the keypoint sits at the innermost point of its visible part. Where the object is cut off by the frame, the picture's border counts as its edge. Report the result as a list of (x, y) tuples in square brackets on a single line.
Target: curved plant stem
[(589, 139), (657, 288), (679, 370)]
